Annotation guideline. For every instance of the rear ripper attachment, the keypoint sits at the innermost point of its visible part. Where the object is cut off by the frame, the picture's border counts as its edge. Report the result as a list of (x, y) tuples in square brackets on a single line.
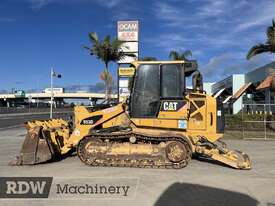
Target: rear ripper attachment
[(220, 153)]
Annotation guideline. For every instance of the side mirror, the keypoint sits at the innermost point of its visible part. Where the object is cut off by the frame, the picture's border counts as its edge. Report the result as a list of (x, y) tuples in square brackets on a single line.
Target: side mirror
[(190, 67), (197, 81)]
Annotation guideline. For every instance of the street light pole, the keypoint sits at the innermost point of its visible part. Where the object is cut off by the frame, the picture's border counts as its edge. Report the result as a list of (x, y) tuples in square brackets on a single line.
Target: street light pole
[(53, 74), (51, 111)]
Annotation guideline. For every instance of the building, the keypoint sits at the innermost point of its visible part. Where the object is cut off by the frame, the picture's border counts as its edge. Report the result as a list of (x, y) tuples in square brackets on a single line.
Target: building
[(207, 87), (254, 87)]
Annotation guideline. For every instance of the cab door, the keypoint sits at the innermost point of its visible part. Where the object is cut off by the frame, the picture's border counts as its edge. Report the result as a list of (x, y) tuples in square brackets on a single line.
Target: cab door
[(172, 99), (145, 98)]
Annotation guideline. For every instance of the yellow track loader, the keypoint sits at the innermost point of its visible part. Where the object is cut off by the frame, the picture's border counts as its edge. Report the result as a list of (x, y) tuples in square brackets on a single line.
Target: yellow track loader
[(161, 125)]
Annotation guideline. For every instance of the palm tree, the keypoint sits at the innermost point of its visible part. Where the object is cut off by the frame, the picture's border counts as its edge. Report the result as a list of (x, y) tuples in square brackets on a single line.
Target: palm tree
[(269, 46), (175, 55), (107, 78), (148, 59), (107, 51)]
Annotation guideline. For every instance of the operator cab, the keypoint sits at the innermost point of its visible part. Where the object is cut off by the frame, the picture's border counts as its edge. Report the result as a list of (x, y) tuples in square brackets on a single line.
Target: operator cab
[(157, 81)]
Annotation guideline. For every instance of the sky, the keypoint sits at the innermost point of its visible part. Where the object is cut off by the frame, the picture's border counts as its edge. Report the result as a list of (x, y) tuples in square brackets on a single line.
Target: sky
[(39, 34)]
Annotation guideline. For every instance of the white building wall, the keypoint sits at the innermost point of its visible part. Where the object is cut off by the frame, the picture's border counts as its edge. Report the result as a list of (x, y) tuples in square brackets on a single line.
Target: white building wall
[(207, 86), (237, 83)]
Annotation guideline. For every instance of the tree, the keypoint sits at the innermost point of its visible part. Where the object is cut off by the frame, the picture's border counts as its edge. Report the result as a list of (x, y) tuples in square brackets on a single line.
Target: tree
[(175, 55), (107, 51), (107, 77), (148, 59), (269, 46)]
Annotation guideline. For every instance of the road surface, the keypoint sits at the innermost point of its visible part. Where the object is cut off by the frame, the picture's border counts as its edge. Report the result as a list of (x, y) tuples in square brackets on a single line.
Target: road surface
[(200, 183)]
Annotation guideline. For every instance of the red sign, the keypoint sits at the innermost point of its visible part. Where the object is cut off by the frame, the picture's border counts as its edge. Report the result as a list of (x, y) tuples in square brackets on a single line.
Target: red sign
[(127, 30)]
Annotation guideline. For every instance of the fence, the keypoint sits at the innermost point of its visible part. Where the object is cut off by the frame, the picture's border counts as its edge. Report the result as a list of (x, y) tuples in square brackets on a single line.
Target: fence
[(258, 121)]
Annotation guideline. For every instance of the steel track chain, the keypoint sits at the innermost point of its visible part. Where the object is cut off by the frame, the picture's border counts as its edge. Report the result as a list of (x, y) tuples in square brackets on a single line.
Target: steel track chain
[(116, 161)]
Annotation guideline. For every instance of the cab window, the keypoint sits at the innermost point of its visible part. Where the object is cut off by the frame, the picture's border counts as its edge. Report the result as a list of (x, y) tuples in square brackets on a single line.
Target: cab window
[(171, 80)]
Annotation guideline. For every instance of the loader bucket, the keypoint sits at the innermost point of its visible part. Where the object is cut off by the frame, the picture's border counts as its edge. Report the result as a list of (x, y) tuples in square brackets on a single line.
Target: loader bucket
[(36, 148)]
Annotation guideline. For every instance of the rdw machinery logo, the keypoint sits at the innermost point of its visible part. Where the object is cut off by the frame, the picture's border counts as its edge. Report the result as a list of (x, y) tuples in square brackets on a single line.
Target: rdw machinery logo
[(25, 187)]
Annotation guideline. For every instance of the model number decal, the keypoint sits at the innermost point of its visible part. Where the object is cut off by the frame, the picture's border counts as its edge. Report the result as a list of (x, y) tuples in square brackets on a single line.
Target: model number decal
[(88, 121), (91, 120)]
